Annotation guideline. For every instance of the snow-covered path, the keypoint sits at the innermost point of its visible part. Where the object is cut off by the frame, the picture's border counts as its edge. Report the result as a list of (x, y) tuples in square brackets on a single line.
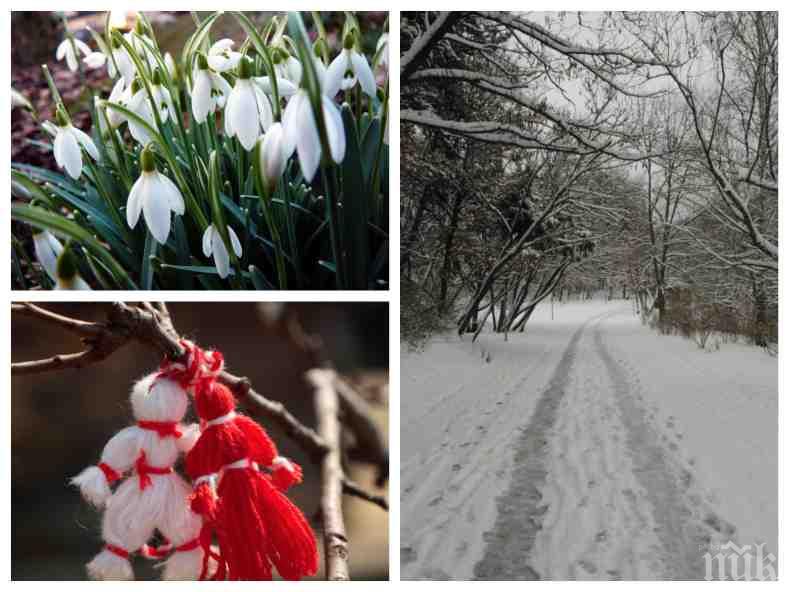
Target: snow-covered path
[(562, 454)]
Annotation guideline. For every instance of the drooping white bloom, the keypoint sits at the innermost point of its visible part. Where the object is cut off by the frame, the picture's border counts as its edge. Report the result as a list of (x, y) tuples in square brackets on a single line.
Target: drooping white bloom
[(346, 70), (155, 196), (382, 48), (163, 101), (120, 95), (214, 245), (209, 93), (285, 88), (47, 249), (140, 105), (118, 19), (273, 158), (301, 132), (221, 58), (68, 145), (121, 58), (247, 110), (69, 49), (96, 59), (290, 69), (169, 62)]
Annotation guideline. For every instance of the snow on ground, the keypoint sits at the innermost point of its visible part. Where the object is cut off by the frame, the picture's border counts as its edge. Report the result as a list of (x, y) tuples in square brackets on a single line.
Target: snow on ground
[(587, 448)]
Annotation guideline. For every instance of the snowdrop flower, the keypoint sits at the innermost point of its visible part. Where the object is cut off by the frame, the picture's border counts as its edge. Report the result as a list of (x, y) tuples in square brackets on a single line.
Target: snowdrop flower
[(69, 49), (382, 48), (247, 109), (301, 132), (47, 249), (214, 245), (285, 88), (155, 196), (67, 272), (119, 57), (119, 19), (68, 141), (272, 156), (221, 58), (287, 67), (348, 68), (140, 105), (161, 98), (210, 91), (120, 95), (169, 62)]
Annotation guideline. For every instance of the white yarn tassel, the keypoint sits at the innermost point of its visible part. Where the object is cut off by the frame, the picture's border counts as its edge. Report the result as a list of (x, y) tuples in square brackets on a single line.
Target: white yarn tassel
[(109, 566), (94, 487)]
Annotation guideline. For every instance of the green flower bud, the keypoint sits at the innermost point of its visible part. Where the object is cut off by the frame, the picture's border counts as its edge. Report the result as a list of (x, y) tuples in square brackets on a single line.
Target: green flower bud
[(147, 161), (67, 267), (61, 117), (348, 41), (244, 68)]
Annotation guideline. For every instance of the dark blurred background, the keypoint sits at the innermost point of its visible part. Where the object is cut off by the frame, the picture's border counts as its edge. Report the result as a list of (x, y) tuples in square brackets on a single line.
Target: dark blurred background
[(61, 421)]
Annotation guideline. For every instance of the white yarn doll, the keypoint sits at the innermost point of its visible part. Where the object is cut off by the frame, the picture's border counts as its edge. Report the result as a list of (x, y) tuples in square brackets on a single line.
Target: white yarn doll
[(153, 496)]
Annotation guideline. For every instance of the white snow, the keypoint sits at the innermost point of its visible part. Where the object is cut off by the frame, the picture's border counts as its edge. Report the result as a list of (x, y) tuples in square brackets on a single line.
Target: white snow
[(654, 451)]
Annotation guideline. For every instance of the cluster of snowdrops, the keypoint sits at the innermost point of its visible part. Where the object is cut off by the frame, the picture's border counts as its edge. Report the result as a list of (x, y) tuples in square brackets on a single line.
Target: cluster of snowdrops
[(271, 155)]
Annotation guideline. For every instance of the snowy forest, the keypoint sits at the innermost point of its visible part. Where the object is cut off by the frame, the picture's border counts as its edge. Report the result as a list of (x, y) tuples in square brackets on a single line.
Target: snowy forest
[(561, 155)]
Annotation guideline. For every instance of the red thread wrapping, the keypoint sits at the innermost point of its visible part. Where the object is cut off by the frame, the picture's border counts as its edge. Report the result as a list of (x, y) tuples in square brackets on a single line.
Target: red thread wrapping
[(144, 470), (109, 473), (165, 429), (119, 551)]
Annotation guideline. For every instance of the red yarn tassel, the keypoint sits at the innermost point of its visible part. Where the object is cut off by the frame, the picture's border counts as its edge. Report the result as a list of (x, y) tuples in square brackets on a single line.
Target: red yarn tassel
[(256, 525)]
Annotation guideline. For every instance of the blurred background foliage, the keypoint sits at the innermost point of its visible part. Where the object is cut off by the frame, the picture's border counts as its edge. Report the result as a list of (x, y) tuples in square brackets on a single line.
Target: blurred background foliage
[(61, 421)]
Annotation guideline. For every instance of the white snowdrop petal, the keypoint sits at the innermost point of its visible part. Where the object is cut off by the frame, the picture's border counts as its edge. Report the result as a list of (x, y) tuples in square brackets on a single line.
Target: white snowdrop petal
[(264, 109), (234, 242), (95, 60), (172, 194), (221, 256), (294, 70), (83, 47), (134, 202), (363, 72), (221, 46), (156, 210), (308, 143), (71, 153), (273, 153), (334, 129), (87, 142), (245, 116), (71, 60), (47, 250), (201, 96), (208, 237), (60, 53), (335, 75), (291, 122)]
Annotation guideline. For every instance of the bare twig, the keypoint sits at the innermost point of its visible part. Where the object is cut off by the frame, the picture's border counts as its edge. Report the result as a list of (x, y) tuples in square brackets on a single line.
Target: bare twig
[(350, 487), (327, 407)]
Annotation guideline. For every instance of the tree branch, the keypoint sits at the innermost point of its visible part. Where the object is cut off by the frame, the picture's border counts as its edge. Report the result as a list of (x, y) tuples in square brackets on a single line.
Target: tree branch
[(335, 541)]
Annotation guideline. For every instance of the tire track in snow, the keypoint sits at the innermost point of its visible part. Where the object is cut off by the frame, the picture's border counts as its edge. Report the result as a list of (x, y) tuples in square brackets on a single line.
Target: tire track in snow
[(518, 509), (685, 526)]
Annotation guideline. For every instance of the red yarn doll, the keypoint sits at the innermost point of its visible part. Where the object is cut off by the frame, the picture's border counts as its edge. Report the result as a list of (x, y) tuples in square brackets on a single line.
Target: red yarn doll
[(239, 480)]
